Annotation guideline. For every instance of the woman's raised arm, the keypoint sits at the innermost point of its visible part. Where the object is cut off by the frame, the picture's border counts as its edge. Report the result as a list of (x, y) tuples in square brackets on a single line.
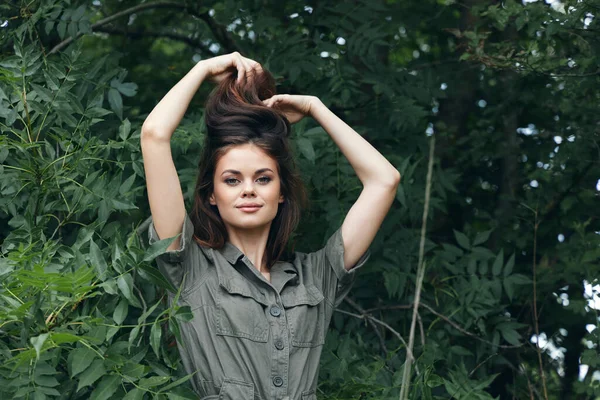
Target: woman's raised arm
[(164, 190), (380, 179)]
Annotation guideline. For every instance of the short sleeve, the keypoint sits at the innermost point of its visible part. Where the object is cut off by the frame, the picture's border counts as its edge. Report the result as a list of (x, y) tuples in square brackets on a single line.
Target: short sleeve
[(172, 264), (328, 268)]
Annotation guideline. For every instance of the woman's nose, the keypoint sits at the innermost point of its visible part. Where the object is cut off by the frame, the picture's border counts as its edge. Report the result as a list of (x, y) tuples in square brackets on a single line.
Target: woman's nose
[(248, 189)]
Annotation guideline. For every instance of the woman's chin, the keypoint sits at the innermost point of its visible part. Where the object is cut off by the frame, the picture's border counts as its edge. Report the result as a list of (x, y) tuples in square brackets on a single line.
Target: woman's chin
[(249, 223)]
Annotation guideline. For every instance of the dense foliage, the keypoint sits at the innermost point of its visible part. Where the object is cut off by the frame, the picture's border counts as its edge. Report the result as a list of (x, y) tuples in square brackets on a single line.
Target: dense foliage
[(510, 91)]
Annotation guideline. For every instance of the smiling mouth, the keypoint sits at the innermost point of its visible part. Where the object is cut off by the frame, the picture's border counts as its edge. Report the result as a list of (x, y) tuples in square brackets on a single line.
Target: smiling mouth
[(249, 208)]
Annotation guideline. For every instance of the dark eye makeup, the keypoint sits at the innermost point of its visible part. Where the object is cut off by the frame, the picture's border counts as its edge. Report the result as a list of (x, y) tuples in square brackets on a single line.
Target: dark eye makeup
[(262, 179)]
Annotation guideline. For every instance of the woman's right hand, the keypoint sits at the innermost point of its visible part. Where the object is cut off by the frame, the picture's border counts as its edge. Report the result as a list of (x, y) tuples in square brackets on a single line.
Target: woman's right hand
[(219, 67)]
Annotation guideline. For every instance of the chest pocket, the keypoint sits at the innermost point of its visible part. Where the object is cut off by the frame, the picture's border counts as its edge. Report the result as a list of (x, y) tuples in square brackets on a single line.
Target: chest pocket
[(305, 311), (241, 310)]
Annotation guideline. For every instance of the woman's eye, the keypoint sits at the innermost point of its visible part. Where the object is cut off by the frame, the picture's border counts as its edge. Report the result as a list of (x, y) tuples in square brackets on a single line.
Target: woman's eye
[(262, 179)]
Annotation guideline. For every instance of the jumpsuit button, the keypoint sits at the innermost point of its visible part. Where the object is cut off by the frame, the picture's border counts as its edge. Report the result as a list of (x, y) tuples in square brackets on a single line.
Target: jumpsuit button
[(275, 311), (277, 381), (279, 344)]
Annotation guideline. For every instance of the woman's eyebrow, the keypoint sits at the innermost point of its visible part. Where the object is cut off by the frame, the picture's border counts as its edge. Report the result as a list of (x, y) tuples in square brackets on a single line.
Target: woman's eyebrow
[(258, 171)]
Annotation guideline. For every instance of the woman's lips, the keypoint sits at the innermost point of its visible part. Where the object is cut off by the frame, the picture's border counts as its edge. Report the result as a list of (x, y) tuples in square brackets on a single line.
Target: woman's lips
[(249, 209)]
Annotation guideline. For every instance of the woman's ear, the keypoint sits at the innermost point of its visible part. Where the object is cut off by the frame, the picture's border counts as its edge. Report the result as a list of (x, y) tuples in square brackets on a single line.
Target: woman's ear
[(211, 199), (281, 198)]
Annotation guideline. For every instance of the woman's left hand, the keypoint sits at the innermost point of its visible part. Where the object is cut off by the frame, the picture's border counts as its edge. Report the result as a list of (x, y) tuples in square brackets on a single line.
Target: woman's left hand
[(295, 107)]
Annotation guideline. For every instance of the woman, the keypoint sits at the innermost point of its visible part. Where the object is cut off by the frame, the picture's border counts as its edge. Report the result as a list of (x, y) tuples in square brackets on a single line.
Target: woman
[(260, 316)]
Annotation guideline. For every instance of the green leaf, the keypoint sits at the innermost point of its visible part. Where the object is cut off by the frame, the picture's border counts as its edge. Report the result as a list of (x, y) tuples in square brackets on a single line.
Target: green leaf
[(48, 26), (106, 388), (124, 129), (44, 93), (98, 260), (119, 205), (133, 370), (498, 263), (464, 56), (472, 266), (125, 285), (434, 381), (109, 286), (159, 247), (484, 384), (481, 237), (400, 195), (134, 394), (64, 337), (72, 29), (62, 29), (155, 336), (153, 381), (97, 112), (462, 240), (509, 265), (67, 118), (177, 382), (47, 381), (155, 276), (174, 396), (79, 360), (510, 335), (133, 335), (92, 374), (395, 282), (508, 288), (306, 148), (128, 89), (520, 279), (116, 102), (38, 342), (142, 318), (125, 186), (184, 314), (461, 351), (174, 329), (483, 268), (78, 13), (120, 312), (51, 81)]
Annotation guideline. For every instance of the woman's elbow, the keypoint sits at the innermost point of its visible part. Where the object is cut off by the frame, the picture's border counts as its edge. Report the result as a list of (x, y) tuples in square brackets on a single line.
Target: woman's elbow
[(390, 182), (397, 177), (394, 179)]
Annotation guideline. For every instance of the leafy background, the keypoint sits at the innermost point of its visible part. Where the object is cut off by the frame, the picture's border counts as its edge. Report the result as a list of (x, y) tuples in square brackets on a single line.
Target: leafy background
[(509, 90)]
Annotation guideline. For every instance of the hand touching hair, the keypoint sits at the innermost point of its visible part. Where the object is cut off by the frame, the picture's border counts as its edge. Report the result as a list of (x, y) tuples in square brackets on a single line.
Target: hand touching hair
[(237, 113), (236, 108)]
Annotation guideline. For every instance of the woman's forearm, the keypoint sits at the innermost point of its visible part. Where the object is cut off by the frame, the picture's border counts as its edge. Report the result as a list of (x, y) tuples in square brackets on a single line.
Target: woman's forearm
[(167, 114), (370, 166)]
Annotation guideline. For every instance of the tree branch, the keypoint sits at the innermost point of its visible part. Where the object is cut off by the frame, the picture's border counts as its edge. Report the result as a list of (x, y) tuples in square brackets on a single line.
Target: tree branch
[(375, 328), (139, 34), (535, 313), (441, 316), (221, 34), (420, 275), (549, 210), (120, 14), (219, 31), (462, 330), (369, 317)]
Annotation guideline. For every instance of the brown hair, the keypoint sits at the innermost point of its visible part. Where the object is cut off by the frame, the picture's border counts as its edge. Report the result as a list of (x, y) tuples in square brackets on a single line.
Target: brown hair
[(235, 115)]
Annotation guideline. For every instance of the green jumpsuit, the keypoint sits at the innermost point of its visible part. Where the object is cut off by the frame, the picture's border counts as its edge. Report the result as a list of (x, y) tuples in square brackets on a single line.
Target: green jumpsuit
[(252, 339)]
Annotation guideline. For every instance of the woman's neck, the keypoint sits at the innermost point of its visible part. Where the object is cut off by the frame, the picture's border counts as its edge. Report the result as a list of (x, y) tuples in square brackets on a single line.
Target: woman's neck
[(251, 242)]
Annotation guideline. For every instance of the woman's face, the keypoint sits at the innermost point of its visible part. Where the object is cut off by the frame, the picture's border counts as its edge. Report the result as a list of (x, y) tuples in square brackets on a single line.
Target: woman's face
[(245, 174)]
